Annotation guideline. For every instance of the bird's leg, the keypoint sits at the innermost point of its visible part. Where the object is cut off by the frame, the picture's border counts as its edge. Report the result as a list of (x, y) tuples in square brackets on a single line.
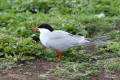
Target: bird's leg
[(58, 56)]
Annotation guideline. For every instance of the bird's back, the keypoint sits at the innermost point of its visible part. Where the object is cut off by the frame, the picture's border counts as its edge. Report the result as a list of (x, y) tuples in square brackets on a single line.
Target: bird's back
[(61, 40)]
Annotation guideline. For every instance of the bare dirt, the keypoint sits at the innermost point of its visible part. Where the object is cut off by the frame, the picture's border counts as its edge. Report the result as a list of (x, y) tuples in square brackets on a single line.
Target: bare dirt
[(37, 67), (30, 71), (104, 75)]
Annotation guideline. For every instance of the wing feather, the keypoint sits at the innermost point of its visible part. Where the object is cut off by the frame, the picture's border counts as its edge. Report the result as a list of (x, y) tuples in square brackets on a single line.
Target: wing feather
[(61, 40)]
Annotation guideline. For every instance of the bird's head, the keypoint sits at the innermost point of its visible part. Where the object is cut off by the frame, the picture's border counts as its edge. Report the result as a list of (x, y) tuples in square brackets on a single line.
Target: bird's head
[(44, 28)]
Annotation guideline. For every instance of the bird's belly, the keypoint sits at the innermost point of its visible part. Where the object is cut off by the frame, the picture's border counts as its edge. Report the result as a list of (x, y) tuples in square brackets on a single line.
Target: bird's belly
[(58, 46)]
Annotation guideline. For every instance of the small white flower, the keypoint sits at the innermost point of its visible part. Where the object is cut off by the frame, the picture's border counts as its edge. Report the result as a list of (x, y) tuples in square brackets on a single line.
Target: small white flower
[(14, 46), (100, 15), (33, 35)]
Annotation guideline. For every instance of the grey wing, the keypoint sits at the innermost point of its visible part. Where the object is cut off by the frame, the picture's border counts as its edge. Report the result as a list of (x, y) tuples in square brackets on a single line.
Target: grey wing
[(64, 40), (59, 44)]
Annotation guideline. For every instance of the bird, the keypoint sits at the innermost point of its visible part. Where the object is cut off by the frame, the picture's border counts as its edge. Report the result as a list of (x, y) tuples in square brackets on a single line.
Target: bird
[(60, 40)]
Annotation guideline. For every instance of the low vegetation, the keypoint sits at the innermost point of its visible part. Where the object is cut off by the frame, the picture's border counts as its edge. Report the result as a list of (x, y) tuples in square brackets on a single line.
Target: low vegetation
[(80, 17)]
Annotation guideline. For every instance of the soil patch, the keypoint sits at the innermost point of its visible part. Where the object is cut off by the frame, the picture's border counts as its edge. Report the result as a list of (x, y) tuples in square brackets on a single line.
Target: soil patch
[(29, 71)]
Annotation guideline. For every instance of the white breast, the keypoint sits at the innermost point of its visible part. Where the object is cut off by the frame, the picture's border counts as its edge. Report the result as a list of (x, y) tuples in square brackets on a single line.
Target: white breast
[(44, 36), (43, 39)]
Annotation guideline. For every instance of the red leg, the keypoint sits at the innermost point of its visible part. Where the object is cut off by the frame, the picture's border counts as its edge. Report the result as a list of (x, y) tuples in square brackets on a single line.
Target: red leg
[(58, 55), (56, 58)]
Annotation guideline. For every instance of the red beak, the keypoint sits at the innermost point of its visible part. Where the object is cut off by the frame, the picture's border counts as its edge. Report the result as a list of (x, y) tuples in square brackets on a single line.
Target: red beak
[(35, 29)]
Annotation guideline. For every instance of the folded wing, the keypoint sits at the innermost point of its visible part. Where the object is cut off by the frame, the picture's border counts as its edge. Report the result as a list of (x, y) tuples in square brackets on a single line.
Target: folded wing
[(60, 40)]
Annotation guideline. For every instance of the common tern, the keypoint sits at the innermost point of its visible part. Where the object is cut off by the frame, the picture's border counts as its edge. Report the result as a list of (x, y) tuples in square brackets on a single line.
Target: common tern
[(60, 40)]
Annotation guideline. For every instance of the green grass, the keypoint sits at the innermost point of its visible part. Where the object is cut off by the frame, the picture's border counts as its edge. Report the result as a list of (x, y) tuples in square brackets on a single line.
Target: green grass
[(19, 42)]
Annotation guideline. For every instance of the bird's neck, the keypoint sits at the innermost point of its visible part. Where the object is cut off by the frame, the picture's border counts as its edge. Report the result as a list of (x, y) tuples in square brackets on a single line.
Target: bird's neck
[(44, 31)]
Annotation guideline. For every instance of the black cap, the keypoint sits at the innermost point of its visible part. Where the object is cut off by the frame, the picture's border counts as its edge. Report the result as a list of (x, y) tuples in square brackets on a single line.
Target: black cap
[(46, 26)]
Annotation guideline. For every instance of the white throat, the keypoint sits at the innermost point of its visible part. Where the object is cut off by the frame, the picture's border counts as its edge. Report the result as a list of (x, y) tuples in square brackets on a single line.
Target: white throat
[(44, 36)]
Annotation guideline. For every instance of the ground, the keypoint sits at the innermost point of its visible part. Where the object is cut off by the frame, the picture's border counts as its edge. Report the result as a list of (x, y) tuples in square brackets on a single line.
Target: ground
[(29, 71), (35, 70)]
